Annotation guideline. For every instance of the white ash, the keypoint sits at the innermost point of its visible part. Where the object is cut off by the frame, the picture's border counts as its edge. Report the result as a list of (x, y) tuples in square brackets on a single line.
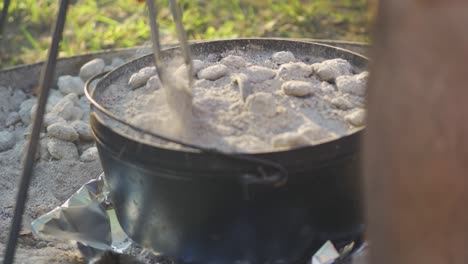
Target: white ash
[(43, 152), (77, 113), (62, 131), (66, 118), (197, 65), (72, 97), (84, 145), (17, 151), (261, 104), (54, 97), (64, 109), (363, 76), (83, 129), (5, 108), (7, 140), (16, 98), (141, 77), (12, 119), (68, 108), (61, 149), (290, 140), (69, 84), (306, 135), (213, 72), (316, 133), (153, 83), (148, 120), (341, 103), (243, 109), (242, 83), (327, 88), (211, 58), (84, 103), (234, 61), (10, 100), (91, 68), (353, 84), (283, 57), (298, 88), (331, 69), (295, 71), (248, 143), (25, 110), (182, 72), (27, 131), (355, 100), (356, 118), (52, 118), (269, 64), (259, 73), (91, 154)]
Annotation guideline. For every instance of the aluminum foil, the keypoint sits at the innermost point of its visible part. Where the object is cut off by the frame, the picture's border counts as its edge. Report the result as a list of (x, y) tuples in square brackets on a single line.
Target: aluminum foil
[(87, 218), (328, 254)]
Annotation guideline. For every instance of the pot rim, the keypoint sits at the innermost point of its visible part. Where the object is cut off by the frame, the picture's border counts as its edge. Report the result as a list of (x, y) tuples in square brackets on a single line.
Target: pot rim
[(194, 149)]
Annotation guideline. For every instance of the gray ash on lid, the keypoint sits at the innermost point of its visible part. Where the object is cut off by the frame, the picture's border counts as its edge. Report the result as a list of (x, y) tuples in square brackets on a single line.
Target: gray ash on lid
[(286, 96)]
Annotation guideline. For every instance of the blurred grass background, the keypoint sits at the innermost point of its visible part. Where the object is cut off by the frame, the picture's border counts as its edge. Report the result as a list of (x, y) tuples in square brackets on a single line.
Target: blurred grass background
[(103, 24)]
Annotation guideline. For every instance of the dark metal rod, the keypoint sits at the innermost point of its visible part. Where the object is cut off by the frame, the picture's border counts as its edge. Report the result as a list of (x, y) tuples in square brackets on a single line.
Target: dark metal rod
[(182, 35), (3, 18), (46, 78), (153, 13)]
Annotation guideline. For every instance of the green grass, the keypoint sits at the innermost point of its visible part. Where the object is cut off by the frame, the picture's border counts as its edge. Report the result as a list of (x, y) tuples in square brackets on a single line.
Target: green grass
[(102, 24)]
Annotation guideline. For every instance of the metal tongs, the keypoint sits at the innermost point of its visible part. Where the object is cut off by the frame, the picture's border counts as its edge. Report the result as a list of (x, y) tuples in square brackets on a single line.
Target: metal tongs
[(181, 34)]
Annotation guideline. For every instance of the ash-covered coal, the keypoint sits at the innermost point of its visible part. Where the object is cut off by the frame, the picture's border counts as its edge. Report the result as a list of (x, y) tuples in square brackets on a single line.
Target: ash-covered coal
[(245, 102), (67, 158)]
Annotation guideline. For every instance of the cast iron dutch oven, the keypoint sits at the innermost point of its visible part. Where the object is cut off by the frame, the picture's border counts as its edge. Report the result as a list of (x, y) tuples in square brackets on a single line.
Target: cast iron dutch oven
[(201, 206)]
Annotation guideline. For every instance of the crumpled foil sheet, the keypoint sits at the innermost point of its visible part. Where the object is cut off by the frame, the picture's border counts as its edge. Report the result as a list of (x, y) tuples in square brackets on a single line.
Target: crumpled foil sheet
[(88, 219), (328, 254)]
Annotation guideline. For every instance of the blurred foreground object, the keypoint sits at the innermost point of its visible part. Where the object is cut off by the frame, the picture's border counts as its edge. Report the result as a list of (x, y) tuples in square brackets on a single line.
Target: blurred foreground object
[(416, 144)]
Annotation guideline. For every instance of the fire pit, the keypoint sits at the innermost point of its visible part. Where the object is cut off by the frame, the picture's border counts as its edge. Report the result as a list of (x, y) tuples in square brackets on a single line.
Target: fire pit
[(204, 206)]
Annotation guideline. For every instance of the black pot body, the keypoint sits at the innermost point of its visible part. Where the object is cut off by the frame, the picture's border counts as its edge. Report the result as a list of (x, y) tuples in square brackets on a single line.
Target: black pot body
[(198, 207)]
